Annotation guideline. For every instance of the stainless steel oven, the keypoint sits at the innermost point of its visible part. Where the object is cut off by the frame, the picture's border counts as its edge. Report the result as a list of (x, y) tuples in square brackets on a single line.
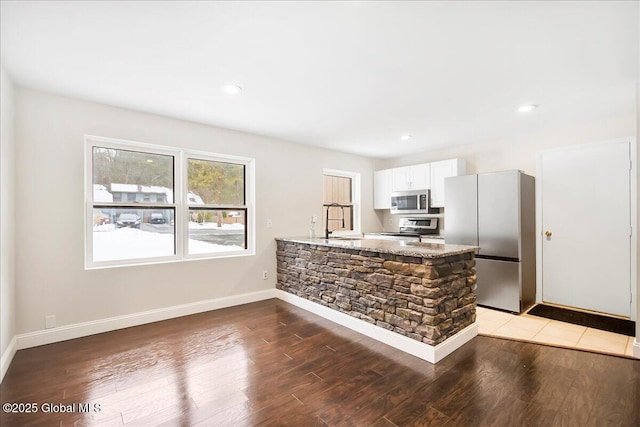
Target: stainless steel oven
[(420, 226), (411, 230)]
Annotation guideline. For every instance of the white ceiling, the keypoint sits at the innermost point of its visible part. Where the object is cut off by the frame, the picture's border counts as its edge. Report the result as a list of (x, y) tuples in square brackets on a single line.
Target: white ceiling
[(350, 76)]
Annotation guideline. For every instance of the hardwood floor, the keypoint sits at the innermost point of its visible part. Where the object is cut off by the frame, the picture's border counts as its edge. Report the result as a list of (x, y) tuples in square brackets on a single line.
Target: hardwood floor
[(270, 363)]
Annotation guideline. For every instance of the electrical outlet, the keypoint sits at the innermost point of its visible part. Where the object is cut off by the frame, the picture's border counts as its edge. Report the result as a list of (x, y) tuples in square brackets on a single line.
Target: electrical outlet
[(389, 221), (314, 218), (50, 322), (265, 275), (269, 223)]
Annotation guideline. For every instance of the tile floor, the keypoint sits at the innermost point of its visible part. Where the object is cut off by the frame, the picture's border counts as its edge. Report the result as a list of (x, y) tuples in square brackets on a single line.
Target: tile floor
[(545, 331)]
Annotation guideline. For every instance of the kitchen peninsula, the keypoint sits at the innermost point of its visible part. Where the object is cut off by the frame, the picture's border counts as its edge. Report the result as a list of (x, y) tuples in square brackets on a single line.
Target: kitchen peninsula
[(418, 297)]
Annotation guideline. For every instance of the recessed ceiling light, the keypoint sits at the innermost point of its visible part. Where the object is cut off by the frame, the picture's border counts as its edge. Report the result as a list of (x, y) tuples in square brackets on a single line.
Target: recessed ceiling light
[(149, 161), (231, 89), (527, 108), (405, 137)]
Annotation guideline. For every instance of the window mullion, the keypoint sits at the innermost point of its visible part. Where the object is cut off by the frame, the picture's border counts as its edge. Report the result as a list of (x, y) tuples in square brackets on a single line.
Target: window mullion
[(180, 184), (99, 205), (211, 206)]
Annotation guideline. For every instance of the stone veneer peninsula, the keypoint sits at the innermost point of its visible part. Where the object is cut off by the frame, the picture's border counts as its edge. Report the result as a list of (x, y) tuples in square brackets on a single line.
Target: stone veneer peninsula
[(422, 291)]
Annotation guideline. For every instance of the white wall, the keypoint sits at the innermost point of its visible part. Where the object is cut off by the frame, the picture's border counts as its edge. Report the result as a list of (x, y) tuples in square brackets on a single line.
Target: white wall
[(517, 152), (7, 221), (49, 193)]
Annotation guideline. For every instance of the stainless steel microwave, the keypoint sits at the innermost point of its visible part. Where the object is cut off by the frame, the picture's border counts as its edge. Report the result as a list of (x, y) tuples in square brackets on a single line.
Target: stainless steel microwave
[(410, 202)]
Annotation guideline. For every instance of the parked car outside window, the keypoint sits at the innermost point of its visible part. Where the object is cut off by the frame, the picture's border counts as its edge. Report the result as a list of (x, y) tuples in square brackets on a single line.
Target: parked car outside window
[(128, 220), (157, 218)]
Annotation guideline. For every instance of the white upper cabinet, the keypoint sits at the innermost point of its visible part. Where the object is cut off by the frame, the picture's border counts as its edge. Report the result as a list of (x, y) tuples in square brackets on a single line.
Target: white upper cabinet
[(382, 189), (400, 179), (441, 170), (415, 177), (420, 176)]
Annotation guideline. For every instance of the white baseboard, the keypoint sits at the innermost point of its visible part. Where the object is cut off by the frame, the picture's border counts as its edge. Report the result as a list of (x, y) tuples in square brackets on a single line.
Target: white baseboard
[(636, 348), (63, 333), (7, 357), (432, 354)]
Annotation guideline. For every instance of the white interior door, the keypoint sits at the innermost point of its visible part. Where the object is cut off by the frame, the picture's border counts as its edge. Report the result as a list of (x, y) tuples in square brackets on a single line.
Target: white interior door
[(586, 226)]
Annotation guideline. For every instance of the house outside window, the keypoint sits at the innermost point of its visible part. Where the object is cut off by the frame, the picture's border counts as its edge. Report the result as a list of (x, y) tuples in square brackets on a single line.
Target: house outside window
[(148, 203), (341, 201)]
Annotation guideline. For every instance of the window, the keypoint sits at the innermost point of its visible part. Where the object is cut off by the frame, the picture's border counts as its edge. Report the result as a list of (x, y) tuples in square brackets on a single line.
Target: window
[(150, 203), (217, 205), (341, 201)]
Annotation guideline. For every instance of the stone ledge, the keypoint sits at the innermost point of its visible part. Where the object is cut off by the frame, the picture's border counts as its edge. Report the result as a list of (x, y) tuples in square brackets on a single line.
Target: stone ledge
[(426, 299)]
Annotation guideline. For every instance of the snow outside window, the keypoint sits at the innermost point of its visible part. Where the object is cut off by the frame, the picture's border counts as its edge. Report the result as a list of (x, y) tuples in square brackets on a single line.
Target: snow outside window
[(217, 206), (149, 204)]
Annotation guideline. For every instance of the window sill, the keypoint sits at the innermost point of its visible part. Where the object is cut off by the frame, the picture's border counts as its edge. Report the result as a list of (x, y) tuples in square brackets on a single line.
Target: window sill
[(190, 258)]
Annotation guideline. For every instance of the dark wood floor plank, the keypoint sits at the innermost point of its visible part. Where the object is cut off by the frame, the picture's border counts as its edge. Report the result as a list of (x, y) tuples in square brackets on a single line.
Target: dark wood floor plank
[(270, 363)]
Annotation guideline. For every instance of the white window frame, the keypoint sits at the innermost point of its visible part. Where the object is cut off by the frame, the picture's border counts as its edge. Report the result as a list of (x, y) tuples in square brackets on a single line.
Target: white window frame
[(181, 223), (355, 197)]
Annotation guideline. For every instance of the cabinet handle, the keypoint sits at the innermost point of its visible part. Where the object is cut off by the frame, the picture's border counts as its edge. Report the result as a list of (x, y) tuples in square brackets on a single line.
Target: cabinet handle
[(548, 233)]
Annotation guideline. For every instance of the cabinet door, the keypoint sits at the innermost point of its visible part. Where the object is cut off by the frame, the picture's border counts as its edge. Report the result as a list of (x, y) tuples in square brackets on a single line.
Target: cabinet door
[(401, 179), (439, 171), (420, 176), (382, 189)]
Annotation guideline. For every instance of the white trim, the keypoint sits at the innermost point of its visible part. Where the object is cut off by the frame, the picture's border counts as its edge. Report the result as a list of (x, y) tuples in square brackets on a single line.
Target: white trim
[(7, 357), (538, 191), (636, 348), (634, 220), (92, 141), (248, 207), (432, 354), (63, 333)]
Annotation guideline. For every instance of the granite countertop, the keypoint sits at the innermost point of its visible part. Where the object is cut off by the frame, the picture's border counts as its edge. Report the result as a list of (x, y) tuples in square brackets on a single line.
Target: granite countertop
[(424, 236), (413, 249)]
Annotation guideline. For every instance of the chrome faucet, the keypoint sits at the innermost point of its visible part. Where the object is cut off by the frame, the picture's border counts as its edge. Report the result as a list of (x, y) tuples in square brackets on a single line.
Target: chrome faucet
[(326, 226)]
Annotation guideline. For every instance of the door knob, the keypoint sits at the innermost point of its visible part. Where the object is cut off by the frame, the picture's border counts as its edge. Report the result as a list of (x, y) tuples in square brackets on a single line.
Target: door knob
[(548, 233)]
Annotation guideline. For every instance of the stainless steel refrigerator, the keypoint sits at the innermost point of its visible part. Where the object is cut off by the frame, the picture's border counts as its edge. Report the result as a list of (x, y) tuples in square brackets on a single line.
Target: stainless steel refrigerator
[(496, 211)]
